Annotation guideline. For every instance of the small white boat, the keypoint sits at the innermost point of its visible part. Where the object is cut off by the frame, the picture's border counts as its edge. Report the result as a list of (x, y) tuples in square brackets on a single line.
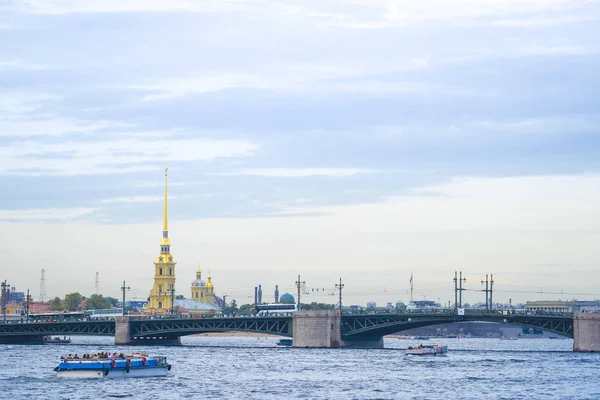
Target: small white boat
[(113, 367), (427, 350)]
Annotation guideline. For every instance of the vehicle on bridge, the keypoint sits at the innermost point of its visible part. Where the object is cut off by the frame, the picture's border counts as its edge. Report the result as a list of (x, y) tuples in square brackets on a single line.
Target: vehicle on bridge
[(58, 317), (104, 313), (274, 309)]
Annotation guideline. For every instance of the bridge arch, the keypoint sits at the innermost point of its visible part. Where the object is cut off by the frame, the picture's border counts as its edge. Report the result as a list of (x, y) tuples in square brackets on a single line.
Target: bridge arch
[(369, 326), (281, 326)]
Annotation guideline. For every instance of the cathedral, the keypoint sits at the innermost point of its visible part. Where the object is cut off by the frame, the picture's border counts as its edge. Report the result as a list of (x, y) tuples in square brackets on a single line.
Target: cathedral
[(203, 299), (162, 299), (162, 293)]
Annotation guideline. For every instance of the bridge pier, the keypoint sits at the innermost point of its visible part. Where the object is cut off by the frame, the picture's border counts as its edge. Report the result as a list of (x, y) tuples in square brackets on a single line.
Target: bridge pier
[(322, 329), (123, 336), (122, 330), (586, 332)]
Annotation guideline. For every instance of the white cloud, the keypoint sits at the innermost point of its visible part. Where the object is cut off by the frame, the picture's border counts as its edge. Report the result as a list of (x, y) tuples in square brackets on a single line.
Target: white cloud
[(59, 7), (23, 127), (21, 64), (528, 203), (16, 103), (512, 227), (114, 155), (302, 172), (137, 199), (45, 214)]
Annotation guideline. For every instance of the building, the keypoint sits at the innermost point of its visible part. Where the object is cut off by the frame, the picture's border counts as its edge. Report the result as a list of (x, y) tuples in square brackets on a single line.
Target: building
[(203, 299), (561, 306), (162, 293), (287, 298), (202, 291)]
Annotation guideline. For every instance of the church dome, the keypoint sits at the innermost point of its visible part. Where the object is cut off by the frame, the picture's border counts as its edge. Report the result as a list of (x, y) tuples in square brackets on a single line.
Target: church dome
[(287, 298)]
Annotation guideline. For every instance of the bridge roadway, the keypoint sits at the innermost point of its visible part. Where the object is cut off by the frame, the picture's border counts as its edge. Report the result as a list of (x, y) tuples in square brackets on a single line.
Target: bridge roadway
[(353, 326)]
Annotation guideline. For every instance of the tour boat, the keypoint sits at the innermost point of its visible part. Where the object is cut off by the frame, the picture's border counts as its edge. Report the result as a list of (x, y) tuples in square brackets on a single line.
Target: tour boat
[(55, 340), (427, 350), (284, 342), (112, 366)]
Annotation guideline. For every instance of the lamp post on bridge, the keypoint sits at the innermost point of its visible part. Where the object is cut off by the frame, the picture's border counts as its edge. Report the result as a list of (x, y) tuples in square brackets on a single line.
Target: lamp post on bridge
[(299, 284), (458, 289), (486, 290), (4, 295), (124, 288), (339, 287)]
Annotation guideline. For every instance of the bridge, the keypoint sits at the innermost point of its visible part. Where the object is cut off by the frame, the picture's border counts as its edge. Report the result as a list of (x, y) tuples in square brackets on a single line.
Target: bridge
[(305, 327)]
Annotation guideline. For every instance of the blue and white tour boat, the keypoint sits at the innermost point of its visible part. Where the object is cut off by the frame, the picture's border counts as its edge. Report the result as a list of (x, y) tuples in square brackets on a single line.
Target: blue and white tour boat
[(106, 365)]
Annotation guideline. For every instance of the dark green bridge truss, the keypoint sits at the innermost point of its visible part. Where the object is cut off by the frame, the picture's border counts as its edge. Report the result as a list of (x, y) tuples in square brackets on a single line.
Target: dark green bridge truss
[(354, 326), (281, 326), (364, 326), (89, 328)]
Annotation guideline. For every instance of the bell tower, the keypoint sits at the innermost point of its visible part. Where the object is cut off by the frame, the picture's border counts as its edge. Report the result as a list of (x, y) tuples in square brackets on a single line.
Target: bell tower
[(162, 293)]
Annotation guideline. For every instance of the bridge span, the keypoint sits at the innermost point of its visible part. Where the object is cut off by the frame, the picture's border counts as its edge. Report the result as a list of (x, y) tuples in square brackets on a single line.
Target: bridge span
[(309, 329)]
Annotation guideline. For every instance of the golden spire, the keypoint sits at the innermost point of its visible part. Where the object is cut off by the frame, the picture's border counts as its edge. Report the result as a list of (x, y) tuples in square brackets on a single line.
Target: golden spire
[(165, 242), (166, 217)]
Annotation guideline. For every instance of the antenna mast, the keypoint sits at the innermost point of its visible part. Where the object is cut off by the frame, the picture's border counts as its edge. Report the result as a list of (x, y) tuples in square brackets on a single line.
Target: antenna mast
[(43, 286), (97, 283)]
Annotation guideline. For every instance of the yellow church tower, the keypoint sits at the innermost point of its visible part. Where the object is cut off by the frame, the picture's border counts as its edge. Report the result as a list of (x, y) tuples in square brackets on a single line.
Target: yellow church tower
[(202, 291), (162, 294)]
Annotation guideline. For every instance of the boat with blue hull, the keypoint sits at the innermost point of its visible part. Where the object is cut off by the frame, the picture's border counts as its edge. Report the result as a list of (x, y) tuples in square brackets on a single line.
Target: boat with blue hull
[(113, 367)]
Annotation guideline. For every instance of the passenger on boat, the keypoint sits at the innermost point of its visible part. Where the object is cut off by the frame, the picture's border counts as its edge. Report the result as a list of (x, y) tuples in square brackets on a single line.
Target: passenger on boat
[(69, 357)]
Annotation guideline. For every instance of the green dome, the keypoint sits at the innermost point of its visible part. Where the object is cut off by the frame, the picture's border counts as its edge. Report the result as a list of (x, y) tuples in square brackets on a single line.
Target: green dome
[(287, 298)]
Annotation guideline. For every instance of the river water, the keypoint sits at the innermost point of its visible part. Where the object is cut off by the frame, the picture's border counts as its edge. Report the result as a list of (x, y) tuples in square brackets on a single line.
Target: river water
[(255, 368)]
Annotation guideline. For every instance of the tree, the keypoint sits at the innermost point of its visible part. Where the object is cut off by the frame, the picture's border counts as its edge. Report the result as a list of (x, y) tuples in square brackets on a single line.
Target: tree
[(72, 301), (231, 309), (245, 309), (401, 307), (97, 302), (56, 304), (179, 297), (113, 302), (317, 306)]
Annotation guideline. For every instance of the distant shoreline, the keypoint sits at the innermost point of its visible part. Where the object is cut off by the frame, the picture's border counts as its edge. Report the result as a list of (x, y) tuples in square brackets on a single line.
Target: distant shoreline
[(236, 334)]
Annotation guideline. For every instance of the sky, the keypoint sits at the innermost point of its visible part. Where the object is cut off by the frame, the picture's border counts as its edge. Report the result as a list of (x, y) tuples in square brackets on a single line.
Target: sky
[(366, 140)]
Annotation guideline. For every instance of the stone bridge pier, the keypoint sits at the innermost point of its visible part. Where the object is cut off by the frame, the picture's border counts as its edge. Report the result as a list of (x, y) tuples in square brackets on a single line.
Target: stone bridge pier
[(322, 329), (586, 332), (123, 335)]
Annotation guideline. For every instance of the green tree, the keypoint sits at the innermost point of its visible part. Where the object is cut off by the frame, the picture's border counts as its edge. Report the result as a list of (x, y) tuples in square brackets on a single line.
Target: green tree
[(245, 309), (97, 302), (401, 308), (56, 304), (179, 297), (231, 309), (72, 301), (113, 302), (317, 306)]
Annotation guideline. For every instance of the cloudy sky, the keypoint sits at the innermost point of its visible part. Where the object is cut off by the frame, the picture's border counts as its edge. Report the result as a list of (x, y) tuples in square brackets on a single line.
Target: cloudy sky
[(362, 139)]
